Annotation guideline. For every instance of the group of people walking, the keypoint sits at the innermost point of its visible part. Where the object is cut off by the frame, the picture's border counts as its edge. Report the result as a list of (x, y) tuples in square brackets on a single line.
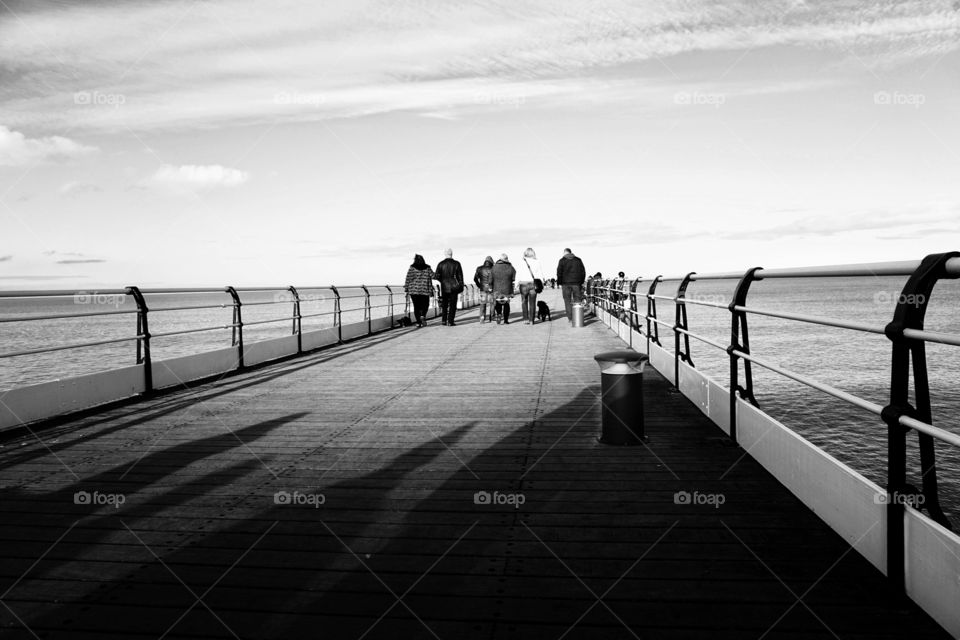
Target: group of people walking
[(497, 283)]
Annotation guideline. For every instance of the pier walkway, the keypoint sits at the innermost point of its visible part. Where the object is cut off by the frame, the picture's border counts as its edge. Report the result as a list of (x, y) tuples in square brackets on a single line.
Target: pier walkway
[(333, 496)]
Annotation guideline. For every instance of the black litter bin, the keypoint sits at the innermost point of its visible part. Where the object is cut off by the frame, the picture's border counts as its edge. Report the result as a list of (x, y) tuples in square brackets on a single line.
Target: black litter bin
[(621, 379)]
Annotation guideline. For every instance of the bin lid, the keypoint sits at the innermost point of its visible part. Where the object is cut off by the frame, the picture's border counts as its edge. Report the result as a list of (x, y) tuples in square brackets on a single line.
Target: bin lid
[(620, 356)]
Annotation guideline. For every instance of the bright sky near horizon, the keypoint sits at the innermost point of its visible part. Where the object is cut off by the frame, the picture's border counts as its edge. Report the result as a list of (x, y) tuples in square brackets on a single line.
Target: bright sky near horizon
[(192, 143)]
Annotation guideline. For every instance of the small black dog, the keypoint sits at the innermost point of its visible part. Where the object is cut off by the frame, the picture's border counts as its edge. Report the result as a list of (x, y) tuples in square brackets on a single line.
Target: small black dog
[(543, 311), (404, 322)]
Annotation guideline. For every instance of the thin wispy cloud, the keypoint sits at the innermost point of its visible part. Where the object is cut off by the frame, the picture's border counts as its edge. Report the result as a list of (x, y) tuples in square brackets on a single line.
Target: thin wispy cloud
[(872, 221), (40, 278), (78, 188), (81, 261), (192, 178), (494, 240), (106, 66)]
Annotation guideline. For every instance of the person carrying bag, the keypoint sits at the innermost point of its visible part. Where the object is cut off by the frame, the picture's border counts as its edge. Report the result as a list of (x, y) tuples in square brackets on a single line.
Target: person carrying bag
[(530, 287)]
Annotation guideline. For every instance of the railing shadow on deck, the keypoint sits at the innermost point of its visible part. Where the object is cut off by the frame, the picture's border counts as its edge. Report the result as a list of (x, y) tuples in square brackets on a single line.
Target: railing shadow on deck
[(112, 481)]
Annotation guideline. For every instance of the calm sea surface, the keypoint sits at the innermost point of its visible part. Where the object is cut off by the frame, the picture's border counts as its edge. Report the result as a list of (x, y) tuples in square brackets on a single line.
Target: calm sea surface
[(855, 362)]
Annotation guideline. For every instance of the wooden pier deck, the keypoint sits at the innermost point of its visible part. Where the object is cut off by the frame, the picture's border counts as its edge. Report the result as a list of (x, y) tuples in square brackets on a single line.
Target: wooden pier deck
[(395, 435)]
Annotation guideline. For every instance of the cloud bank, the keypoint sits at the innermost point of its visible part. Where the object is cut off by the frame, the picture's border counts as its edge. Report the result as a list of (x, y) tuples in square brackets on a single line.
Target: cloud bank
[(17, 149)]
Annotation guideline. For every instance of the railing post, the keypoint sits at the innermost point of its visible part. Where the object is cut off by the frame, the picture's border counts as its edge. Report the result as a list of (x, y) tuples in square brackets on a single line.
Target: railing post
[(337, 314), (143, 329), (896, 487), (909, 314), (390, 302), (680, 322), (237, 334), (297, 327), (620, 300), (366, 309), (634, 307), (738, 330), (653, 331)]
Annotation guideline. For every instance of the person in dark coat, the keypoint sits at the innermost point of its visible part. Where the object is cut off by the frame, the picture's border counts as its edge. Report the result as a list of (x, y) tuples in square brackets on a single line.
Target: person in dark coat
[(483, 278), (450, 275), (503, 278), (419, 286), (570, 277)]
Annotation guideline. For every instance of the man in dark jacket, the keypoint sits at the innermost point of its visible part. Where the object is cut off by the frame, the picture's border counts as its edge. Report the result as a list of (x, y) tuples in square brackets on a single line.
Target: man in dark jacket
[(450, 274), (483, 278), (504, 276), (570, 277)]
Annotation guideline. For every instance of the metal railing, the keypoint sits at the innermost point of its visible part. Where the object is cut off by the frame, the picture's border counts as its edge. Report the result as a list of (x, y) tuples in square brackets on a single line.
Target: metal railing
[(906, 334), (289, 295)]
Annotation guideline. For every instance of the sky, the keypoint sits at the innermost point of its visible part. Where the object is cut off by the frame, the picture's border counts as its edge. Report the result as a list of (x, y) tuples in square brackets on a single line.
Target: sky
[(231, 142)]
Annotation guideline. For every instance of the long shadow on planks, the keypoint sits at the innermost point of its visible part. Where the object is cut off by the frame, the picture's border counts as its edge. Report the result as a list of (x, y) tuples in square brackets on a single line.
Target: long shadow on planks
[(599, 547), (69, 507)]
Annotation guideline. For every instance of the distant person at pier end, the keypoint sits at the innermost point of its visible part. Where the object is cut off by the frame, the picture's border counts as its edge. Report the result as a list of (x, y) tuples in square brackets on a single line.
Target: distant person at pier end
[(483, 278), (503, 277), (419, 286), (450, 275), (529, 284), (571, 275)]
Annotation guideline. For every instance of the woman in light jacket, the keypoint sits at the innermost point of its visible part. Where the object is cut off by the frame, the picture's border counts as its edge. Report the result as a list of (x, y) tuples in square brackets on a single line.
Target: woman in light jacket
[(526, 274), (419, 286)]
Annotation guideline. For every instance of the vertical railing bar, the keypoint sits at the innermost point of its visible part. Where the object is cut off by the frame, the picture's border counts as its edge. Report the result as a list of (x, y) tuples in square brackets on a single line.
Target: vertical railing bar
[(909, 314), (738, 327), (338, 318), (297, 318), (143, 328), (390, 303), (366, 309), (634, 310), (653, 331), (680, 322), (237, 336)]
